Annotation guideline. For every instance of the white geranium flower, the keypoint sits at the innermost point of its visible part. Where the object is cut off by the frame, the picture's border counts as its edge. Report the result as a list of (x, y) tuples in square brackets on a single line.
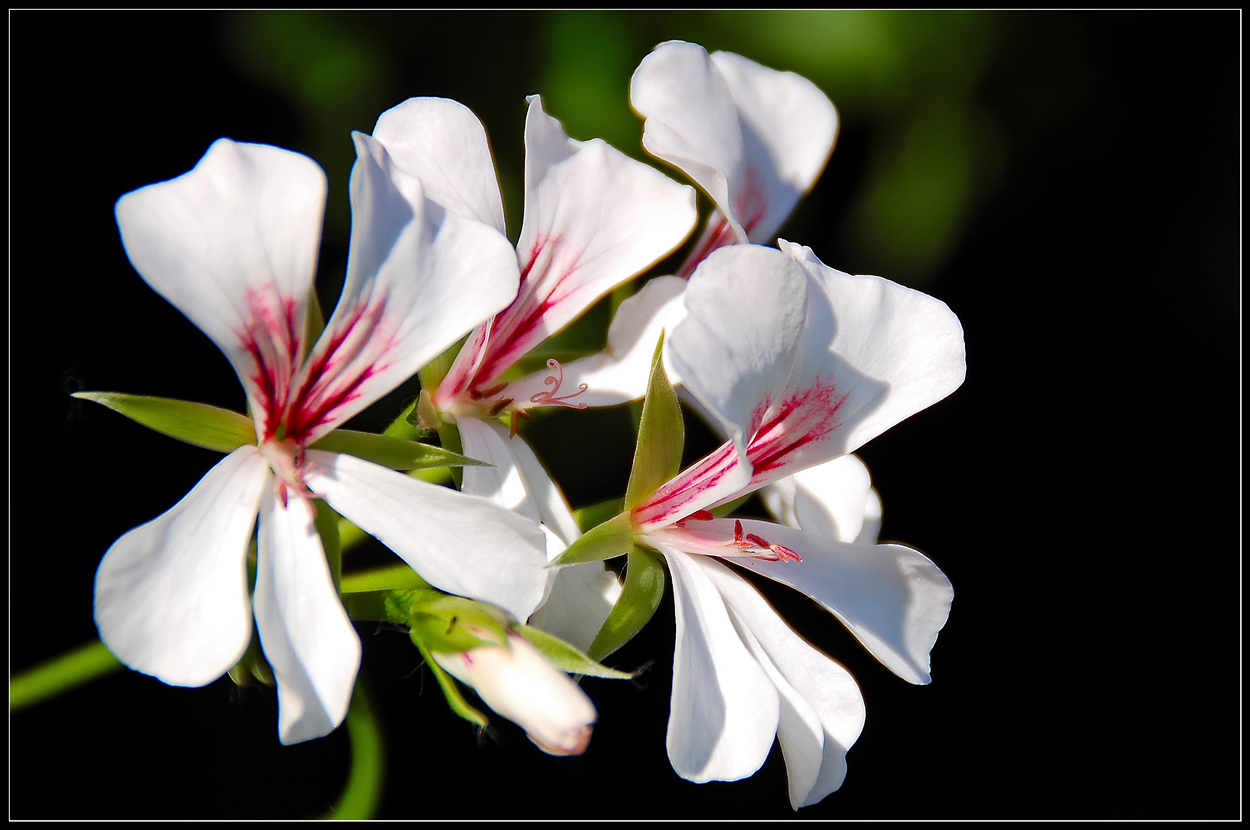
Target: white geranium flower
[(753, 139), (801, 364), (233, 244), (593, 219)]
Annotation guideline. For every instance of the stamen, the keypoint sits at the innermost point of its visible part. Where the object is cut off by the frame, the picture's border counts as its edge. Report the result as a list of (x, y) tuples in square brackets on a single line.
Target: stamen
[(696, 516), (549, 397), (488, 392), (517, 415), (500, 406)]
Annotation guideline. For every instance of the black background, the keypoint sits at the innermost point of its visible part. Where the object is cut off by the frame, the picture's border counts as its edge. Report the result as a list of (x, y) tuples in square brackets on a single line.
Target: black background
[(1081, 490)]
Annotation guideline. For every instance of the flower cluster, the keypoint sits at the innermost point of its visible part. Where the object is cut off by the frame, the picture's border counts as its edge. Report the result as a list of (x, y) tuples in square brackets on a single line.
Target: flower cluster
[(795, 363)]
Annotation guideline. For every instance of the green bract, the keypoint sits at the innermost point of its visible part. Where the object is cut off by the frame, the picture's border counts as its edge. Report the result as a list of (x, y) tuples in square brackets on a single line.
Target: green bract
[(612, 538), (661, 435), (395, 453), (196, 423), (565, 657), (220, 429), (644, 588)]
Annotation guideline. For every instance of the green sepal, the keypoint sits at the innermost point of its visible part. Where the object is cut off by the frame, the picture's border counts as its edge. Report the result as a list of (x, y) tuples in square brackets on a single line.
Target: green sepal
[(390, 578), (395, 453), (566, 657), (450, 690), (452, 624), (252, 665), (612, 538), (644, 588), (327, 523), (661, 435), (205, 426), (596, 514)]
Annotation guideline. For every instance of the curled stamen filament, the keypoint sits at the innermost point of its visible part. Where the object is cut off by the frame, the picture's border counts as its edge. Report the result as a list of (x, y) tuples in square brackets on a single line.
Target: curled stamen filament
[(549, 397)]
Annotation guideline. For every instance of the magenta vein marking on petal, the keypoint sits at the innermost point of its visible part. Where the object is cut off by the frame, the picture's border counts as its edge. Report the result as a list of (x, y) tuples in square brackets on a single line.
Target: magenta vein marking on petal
[(271, 337), (537, 296), (752, 202), (671, 502), (326, 388), (804, 418)]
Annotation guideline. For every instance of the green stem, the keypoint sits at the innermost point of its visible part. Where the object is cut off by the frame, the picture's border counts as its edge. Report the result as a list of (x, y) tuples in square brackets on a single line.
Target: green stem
[(363, 790), (60, 674)]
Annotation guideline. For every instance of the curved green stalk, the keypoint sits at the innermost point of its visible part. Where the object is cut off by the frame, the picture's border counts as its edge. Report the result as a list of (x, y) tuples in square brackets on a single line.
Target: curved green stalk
[(363, 790), (60, 674)]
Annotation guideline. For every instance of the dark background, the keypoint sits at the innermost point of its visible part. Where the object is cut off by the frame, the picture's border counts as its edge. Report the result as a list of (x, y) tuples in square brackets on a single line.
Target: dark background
[(1081, 490)]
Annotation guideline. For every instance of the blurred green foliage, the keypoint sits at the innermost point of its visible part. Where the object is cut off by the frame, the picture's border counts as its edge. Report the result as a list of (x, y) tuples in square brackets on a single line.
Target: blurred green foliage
[(906, 83)]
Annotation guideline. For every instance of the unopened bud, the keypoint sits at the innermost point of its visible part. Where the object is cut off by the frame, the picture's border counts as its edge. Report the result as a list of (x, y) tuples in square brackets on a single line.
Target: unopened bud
[(520, 684)]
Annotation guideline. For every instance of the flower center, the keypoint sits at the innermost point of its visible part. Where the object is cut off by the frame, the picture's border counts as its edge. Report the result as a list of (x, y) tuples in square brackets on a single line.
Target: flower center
[(286, 459), (712, 537)]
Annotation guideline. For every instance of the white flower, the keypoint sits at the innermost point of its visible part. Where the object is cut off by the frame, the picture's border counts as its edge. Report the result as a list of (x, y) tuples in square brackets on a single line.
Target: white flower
[(519, 683), (233, 244), (753, 139), (800, 364), (593, 219)]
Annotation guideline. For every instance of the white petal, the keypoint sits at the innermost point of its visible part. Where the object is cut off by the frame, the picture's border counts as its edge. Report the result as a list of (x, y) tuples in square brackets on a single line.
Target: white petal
[(460, 543), (822, 710), (789, 127), (594, 218), (579, 602), (831, 499), (171, 595), (892, 598), (308, 639), (872, 520), (724, 710), (418, 279), (908, 345), (619, 373), (442, 143), (578, 597), (517, 481), (746, 327), (691, 122), (233, 245)]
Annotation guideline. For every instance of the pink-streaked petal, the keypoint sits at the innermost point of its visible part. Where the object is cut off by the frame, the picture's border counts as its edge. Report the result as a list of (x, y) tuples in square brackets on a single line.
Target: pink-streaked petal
[(831, 499), (892, 598), (442, 143), (233, 245), (724, 710), (859, 354), (908, 345), (619, 373), (594, 219), (789, 127), (822, 710), (171, 595), (308, 639), (748, 327), (460, 543), (716, 478), (692, 123), (418, 278)]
